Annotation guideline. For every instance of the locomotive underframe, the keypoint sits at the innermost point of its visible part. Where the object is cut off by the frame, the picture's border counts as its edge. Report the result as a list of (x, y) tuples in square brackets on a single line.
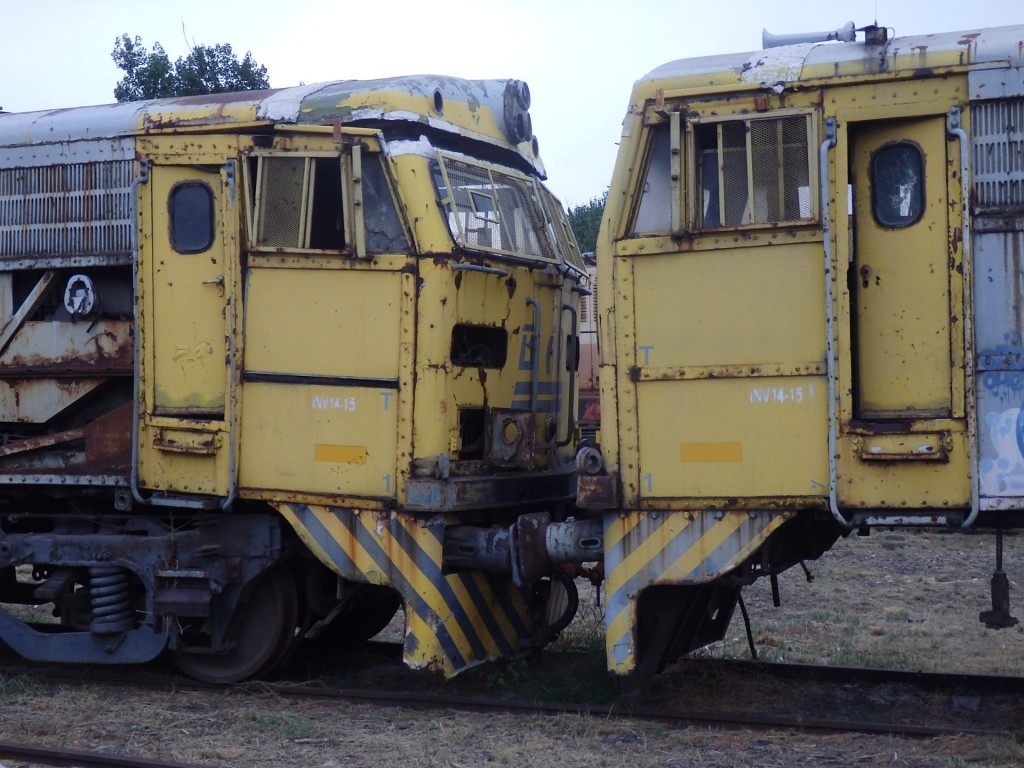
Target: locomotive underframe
[(163, 572)]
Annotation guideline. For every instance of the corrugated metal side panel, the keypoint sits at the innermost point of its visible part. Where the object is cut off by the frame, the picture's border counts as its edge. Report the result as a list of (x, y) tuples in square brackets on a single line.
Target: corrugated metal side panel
[(997, 162), (997, 182), (69, 209)]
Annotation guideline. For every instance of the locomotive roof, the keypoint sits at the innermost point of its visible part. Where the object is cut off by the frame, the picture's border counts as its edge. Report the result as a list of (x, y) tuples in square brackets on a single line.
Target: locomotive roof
[(808, 61), (478, 109)]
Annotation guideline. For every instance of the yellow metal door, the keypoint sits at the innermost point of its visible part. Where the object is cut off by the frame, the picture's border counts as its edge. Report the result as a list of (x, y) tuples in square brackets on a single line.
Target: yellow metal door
[(186, 279), (901, 271), (189, 276), (903, 436)]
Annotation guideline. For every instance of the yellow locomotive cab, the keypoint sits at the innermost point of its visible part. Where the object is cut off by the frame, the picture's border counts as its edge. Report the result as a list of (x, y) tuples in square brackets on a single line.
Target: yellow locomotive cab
[(807, 277), (315, 359)]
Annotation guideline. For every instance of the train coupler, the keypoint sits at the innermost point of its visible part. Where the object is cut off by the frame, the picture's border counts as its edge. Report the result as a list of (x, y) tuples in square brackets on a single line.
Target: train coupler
[(532, 547)]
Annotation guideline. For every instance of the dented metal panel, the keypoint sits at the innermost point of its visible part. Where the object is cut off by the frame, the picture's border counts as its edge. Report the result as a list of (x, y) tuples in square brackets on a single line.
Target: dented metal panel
[(644, 549), (443, 630)]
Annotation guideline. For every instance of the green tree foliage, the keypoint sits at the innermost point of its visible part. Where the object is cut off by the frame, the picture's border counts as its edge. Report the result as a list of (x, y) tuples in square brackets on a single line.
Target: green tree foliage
[(207, 69), (585, 220)]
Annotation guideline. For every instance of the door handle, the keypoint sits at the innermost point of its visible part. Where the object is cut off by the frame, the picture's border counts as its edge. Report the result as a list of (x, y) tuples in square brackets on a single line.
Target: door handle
[(217, 281)]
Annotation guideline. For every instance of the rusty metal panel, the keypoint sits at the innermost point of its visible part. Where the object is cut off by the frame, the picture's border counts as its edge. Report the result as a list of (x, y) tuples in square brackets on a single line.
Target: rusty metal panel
[(66, 209)]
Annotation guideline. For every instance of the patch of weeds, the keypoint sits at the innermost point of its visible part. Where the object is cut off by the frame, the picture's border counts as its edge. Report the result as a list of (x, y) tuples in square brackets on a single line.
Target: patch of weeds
[(287, 727), (507, 674), (17, 685)]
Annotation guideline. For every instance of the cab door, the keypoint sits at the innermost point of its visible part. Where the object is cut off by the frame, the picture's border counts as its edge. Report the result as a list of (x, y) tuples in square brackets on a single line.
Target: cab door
[(903, 440), (186, 278)]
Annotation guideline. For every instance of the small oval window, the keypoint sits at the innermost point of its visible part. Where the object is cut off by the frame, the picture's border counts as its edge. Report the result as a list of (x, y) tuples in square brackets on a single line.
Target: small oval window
[(191, 210), (897, 185)]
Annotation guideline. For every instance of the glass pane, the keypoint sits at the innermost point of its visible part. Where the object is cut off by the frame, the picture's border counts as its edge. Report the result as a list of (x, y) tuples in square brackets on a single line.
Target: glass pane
[(655, 214), (384, 233), (191, 211), (897, 185)]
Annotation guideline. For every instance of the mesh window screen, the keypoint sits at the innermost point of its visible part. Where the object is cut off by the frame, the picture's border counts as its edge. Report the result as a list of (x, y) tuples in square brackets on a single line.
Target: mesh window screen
[(282, 183), (763, 175)]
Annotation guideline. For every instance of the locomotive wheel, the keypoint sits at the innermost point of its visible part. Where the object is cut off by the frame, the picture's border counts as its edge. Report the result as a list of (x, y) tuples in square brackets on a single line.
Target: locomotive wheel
[(263, 627)]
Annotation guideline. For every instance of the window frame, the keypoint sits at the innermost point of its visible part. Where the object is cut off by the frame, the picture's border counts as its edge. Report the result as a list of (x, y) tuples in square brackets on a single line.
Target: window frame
[(211, 215), (922, 201), (550, 238), (694, 186)]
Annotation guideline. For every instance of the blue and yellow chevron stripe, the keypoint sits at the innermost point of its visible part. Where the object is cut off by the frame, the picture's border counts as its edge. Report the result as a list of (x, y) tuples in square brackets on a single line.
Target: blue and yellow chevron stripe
[(452, 621), (647, 548)]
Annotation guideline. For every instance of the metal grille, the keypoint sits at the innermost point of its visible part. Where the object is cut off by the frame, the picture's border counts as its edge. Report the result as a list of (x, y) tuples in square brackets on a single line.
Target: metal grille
[(490, 210), (753, 171), (778, 150), (997, 162), (79, 209), (282, 183)]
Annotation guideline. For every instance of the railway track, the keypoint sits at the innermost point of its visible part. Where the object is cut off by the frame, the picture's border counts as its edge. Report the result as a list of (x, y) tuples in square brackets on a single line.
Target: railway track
[(766, 715), (40, 755)]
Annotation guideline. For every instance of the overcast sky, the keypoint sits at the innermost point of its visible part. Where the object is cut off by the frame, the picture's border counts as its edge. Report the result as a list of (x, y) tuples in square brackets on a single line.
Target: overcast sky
[(580, 57)]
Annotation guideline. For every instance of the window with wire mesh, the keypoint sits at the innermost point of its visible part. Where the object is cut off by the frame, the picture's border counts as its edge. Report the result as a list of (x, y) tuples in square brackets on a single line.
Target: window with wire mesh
[(299, 203), (493, 210), (566, 240), (751, 172)]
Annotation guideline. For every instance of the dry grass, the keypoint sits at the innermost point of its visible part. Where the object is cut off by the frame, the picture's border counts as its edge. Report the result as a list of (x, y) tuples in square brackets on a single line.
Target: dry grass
[(900, 599)]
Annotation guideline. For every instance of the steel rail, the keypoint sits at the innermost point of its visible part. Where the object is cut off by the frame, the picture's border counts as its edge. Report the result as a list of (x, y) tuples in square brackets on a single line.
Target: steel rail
[(59, 756), (435, 701)]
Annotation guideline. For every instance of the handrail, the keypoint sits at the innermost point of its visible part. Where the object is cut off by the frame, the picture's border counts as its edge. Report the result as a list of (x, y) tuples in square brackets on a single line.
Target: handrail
[(572, 365), (481, 268), (970, 396), (136, 382), (830, 353), (534, 357)]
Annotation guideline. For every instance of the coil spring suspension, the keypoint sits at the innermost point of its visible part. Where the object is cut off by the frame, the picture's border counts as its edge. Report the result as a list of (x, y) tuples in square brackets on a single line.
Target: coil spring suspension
[(110, 597)]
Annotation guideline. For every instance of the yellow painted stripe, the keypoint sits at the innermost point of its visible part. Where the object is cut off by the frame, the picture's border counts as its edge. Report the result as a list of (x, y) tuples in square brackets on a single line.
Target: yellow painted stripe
[(705, 545), (683, 565), (423, 585), (430, 545), (711, 453), (307, 538), (499, 616), (649, 548), (475, 619), (618, 529), (339, 454)]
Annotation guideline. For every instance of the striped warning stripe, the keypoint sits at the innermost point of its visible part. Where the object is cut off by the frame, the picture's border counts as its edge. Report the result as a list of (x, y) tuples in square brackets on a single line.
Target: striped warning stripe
[(642, 549), (453, 620)]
